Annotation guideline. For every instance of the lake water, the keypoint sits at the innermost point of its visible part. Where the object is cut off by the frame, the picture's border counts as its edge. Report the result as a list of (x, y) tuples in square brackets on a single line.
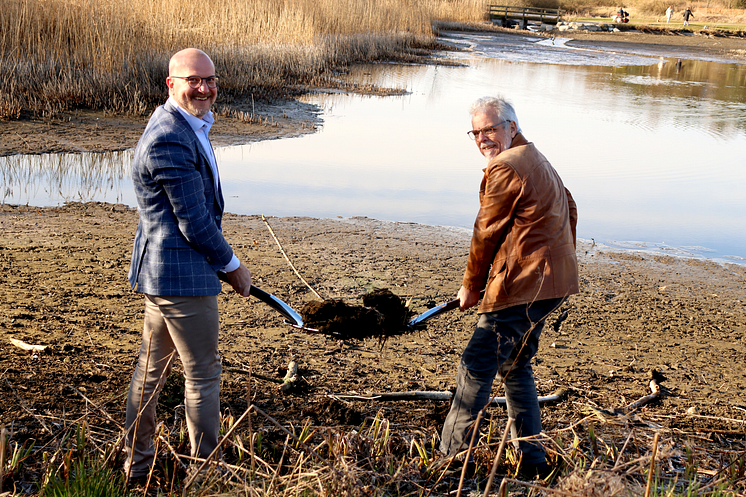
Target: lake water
[(653, 151)]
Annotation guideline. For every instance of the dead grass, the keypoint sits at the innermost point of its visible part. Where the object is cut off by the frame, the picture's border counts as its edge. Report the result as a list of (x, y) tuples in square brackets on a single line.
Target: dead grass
[(65, 54), (594, 455), (60, 55)]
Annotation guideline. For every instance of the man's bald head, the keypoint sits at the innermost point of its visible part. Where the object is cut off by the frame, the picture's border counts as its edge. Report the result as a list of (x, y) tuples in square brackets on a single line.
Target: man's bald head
[(189, 67), (187, 58)]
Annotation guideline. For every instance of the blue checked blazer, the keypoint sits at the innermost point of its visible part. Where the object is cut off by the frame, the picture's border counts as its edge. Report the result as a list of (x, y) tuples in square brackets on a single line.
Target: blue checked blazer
[(179, 244)]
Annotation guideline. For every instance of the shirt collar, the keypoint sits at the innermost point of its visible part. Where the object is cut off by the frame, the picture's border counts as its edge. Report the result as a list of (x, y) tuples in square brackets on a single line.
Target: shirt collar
[(195, 122)]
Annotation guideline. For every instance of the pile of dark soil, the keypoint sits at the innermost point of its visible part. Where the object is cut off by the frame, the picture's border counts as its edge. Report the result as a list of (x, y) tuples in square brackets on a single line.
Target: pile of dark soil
[(382, 314)]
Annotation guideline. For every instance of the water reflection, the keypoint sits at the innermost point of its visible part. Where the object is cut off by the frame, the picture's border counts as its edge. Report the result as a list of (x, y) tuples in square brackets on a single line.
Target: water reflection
[(50, 179), (653, 153)]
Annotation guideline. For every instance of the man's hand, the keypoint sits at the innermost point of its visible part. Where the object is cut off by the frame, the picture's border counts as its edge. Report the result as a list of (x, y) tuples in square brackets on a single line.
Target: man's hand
[(240, 280), (467, 298)]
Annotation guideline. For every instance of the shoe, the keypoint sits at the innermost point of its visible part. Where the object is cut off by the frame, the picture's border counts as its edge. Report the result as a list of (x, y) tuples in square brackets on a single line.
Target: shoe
[(537, 471), (140, 480)]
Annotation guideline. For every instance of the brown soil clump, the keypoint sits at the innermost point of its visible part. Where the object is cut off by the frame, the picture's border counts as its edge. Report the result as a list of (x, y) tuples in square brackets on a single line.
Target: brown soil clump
[(382, 315)]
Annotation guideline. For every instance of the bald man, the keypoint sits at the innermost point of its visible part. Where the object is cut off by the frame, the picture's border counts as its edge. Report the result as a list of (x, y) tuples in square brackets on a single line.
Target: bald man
[(178, 249)]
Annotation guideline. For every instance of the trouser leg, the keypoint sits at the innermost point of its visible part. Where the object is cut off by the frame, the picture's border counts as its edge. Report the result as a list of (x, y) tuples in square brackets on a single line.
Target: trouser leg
[(517, 376), (188, 325), (153, 367), (472, 394), (503, 343)]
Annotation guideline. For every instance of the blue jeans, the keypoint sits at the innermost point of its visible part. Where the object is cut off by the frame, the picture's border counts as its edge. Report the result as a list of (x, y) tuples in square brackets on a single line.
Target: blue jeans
[(503, 344)]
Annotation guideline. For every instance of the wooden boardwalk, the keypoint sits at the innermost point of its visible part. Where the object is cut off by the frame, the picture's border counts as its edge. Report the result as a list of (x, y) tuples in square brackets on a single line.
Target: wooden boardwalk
[(503, 14)]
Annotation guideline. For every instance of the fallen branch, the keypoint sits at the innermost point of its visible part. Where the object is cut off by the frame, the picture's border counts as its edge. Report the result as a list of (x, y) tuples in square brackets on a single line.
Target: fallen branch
[(28, 347), (621, 411), (271, 232), (430, 395), (655, 388), (286, 383), (254, 375)]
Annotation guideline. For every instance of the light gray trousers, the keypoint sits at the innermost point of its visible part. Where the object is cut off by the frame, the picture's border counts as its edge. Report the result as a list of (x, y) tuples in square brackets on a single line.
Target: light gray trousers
[(503, 344), (187, 327)]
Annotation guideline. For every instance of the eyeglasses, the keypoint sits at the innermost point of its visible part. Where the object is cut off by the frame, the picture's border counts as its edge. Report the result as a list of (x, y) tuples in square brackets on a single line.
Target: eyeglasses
[(195, 81), (488, 131)]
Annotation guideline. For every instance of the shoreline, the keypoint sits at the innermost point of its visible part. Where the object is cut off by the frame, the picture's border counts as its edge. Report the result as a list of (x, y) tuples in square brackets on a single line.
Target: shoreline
[(94, 132), (90, 131)]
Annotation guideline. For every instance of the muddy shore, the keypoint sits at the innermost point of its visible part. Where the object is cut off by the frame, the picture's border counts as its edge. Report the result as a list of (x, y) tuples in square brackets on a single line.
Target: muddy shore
[(63, 273), (64, 286)]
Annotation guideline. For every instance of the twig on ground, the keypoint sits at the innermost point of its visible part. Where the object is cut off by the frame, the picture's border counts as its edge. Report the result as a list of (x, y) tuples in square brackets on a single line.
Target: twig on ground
[(651, 471), (432, 395), (271, 232), (99, 408), (172, 450), (655, 388), (26, 346), (496, 461)]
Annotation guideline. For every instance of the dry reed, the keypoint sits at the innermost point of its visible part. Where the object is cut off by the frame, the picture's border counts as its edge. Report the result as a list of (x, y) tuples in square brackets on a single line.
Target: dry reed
[(594, 456), (61, 55), (58, 55)]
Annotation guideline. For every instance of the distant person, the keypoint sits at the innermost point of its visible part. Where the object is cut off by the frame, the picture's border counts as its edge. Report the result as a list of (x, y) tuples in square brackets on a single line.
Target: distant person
[(669, 13), (687, 14), (522, 255), (178, 249)]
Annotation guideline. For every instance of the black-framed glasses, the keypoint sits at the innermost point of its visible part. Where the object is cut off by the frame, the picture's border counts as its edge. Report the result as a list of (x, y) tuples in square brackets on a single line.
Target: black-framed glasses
[(488, 131), (195, 81)]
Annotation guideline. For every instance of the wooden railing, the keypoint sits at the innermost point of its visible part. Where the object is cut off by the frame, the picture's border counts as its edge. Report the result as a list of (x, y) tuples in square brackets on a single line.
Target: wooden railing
[(501, 14)]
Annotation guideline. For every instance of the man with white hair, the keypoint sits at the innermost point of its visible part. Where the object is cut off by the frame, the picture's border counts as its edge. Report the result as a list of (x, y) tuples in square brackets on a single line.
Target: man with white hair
[(522, 256)]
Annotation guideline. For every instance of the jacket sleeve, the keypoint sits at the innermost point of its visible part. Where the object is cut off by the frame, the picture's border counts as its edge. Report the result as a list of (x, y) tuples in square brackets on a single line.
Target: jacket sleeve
[(499, 197), (573, 216), (174, 165)]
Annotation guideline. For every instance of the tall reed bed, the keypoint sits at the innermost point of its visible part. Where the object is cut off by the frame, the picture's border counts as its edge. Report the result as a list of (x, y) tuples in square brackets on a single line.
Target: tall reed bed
[(57, 55)]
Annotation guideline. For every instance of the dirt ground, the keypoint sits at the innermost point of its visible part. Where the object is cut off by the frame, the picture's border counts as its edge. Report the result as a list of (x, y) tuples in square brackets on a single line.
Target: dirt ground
[(677, 46), (63, 285)]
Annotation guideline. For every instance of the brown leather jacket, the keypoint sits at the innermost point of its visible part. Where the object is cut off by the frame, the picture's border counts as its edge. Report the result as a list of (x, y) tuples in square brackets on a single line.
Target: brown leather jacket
[(523, 246)]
